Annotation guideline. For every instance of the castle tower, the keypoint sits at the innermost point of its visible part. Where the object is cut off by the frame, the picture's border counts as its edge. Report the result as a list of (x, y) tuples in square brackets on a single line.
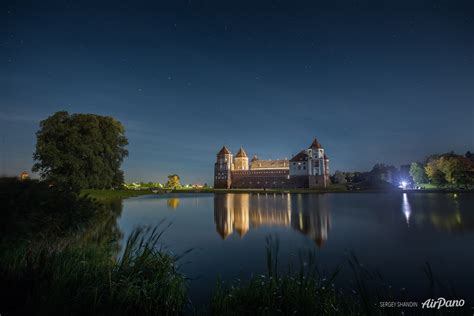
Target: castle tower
[(241, 161), (222, 169), (318, 169), (326, 169)]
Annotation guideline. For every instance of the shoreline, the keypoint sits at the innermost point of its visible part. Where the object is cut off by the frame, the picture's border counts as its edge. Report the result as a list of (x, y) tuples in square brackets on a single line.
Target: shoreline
[(110, 194)]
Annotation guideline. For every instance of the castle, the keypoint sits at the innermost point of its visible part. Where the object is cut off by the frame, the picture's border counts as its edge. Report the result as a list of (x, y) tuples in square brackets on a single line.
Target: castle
[(307, 169)]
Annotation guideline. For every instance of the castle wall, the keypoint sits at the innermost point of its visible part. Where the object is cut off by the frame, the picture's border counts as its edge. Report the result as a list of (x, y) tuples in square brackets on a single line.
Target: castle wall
[(299, 168), (241, 163), (316, 181), (260, 179)]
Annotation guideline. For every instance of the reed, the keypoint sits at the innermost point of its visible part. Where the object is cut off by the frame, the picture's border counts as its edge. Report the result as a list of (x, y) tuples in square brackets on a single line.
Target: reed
[(304, 289), (88, 279)]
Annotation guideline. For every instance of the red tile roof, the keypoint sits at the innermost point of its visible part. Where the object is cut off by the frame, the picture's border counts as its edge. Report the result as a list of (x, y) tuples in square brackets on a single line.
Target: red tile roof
[(315, 144), (241, 153), (269, 164), (224, 151), (301, 156)]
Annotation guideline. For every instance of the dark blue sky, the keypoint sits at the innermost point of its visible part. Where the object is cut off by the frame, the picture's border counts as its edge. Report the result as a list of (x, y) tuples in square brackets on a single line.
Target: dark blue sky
[(375, 81)]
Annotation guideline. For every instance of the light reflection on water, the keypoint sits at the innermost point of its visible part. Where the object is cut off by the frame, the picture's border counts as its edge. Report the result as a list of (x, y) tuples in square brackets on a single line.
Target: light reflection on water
[(242, 212), (406, 208), (394, 233)]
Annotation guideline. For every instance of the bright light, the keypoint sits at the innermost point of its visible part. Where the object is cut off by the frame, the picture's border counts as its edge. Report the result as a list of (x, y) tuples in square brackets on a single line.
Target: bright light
[(403, 184), (406, 208)]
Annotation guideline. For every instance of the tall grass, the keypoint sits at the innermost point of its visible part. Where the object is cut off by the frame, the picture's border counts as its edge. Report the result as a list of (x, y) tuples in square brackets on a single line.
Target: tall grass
[(307, 290), (88, 279), (302, 291)]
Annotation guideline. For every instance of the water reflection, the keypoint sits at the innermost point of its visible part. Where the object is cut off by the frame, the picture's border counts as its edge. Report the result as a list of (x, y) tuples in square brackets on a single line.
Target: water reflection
[(308, 214), (406, 208), (173, 203), (441, 212), (371, 225), (314, 217), (103, 229)]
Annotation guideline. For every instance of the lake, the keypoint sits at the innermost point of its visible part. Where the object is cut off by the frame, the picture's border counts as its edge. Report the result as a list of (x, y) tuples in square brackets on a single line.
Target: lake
[(393, 233)]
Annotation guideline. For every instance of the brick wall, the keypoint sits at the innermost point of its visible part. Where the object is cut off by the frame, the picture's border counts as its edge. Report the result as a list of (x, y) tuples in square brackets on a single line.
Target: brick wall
[(259, 179)]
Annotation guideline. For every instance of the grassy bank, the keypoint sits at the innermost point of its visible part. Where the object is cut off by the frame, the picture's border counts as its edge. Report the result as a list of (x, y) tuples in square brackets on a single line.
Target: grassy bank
[(111, 194), (58, 256)]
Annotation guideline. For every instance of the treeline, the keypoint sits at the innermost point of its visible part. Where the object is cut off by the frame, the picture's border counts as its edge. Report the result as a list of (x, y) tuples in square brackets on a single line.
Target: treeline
[(174, 182), (381, 176), (447, 169)]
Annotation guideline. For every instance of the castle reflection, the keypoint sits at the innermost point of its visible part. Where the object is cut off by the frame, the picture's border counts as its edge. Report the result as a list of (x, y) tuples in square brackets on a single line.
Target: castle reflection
[(308, 214)]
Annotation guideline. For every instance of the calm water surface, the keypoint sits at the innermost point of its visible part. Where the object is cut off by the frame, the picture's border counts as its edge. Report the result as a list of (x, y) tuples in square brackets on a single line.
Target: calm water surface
[(394, 233)]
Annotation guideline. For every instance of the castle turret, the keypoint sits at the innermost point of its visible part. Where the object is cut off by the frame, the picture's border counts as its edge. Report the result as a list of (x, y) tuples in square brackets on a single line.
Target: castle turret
[(222, 169), (241, 161), (318, 171)]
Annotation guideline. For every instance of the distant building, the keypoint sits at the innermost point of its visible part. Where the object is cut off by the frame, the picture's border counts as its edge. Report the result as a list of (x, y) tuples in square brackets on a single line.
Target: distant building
[(24, 176), (308, 169)]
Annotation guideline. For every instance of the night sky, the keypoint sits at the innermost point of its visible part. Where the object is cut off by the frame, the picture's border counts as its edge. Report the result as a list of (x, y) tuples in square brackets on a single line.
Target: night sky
[(374, 81)]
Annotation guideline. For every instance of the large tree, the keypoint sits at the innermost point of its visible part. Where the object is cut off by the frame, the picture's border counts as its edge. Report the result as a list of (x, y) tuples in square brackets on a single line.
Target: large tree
[(417, 172), (456, 169), (80, 151), (339, 177), (434, 174), (450, 169), (173, 181)]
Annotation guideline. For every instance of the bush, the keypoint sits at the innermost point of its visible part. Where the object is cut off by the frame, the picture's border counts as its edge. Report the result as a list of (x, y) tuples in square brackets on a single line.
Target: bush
[(31, 207)]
